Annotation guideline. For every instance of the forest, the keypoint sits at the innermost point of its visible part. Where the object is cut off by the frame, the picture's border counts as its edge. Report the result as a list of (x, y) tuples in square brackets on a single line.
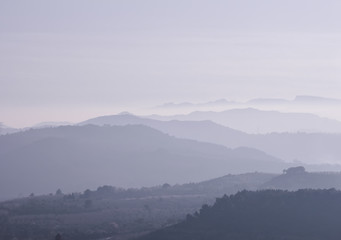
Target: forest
[(114, 212), (117, 213), (264, 215)]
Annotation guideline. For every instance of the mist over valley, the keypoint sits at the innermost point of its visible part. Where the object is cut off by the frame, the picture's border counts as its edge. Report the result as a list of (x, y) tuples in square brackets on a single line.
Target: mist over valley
[(170, 120)]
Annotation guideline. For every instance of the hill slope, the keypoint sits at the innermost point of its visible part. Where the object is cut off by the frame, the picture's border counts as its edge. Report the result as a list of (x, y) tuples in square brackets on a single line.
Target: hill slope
[(135, 211), (251, 120), (304, 147), (263, 215), (79, 157)]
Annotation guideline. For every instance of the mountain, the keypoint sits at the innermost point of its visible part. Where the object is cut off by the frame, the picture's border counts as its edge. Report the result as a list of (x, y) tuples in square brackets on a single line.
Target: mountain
[(263, 215), (314, 148), (51, 124), (206, 131), (124, 118), (298, 100), (300, 147), (216, 103), (7, 130), (79, 157), (316, 100), (254, 121), (267, 101)]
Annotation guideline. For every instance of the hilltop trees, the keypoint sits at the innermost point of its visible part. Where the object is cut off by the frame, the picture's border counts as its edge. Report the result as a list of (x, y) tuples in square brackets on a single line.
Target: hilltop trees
[(58, 237), (263, 215), (294, 170)]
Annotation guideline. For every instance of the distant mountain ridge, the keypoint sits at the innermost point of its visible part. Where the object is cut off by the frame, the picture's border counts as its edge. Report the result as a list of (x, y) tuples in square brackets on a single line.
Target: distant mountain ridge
[(219, 102), (299, 147), (51, 124), (177, 128), (9, 130), (6, 130), (256, 121), (299, 99), (78, 157)]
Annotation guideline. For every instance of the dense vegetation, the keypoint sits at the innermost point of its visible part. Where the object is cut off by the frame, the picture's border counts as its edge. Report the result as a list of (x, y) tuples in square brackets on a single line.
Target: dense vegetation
[(298, 178), (114, 212), (263, 215)]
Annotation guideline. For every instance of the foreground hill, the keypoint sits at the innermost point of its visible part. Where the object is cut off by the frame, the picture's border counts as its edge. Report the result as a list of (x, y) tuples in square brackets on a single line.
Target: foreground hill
[(263, 215), (79, 157), (114, 212), (304, 147)]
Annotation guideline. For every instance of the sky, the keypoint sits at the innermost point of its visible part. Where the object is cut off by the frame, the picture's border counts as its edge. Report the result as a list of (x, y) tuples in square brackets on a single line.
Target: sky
[(69, 60)]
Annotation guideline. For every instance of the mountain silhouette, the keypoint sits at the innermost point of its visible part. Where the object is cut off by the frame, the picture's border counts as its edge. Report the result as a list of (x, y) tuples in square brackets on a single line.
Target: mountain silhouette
[(314, 148), (79, 157), (255, 121)]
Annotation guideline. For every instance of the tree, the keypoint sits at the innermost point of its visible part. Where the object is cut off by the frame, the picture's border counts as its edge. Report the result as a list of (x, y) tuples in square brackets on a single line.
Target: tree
[(59, 192), (58, 237), (87, 193), (87, 203)]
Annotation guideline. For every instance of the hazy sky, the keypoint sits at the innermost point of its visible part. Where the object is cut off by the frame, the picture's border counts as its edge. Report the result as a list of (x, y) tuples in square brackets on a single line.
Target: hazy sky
[(73, 59)]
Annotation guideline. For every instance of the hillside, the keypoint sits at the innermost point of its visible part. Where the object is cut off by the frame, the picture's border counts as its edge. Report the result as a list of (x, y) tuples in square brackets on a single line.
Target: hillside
[(79, 157), (114, 212), (263, 215), (206, 131), (256, 121), (7, 130), (314, 148)]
